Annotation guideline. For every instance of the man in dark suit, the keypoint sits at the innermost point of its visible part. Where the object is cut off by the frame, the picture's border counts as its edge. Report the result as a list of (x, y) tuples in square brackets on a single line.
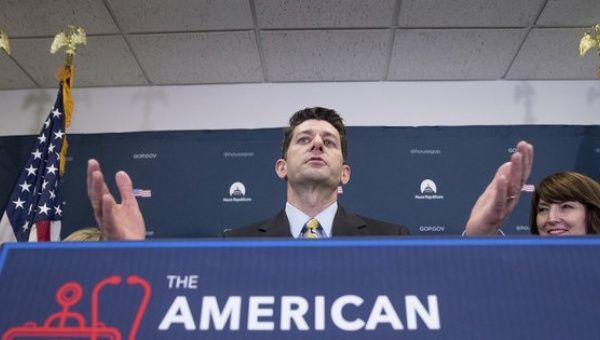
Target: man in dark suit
[(313, 163), (344, 224)]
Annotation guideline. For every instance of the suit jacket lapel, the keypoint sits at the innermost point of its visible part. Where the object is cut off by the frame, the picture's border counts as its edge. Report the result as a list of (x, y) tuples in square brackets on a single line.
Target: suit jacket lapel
[(278, 226), (346, 224)]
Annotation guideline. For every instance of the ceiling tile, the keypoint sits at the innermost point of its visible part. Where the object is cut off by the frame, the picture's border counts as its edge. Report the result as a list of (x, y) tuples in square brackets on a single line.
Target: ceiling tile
[(181, 15), (105, 61), (12, 76), (456, 54), (468, 13), (553, 53), (214, 41), (34, 56), (570, 13), (196, 58), (325, 55), (26, 18), (324, 13)]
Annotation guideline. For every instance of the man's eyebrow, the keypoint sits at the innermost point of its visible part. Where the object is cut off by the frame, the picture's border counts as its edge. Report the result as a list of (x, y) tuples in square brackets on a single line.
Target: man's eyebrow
[(312, 132), (327, 133), (305, 132)]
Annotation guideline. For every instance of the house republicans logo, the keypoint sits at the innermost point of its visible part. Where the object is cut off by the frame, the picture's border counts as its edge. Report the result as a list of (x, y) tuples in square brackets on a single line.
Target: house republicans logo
[(428, 191), (237, 193), (67, 323)]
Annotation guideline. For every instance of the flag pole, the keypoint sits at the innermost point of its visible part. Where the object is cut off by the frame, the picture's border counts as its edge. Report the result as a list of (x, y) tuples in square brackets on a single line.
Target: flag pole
[(68, 38)]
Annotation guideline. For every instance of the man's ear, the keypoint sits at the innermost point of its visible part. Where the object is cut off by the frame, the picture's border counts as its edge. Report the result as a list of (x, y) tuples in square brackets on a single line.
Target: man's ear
[(281, 168), (345, 174)]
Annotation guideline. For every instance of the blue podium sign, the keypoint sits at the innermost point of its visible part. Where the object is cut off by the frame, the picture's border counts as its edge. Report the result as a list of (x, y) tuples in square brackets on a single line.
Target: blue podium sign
[(408, 288)]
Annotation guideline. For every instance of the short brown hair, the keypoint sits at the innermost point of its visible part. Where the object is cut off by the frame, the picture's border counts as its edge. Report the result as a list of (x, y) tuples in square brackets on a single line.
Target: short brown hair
[(319, 113), (568, 186)]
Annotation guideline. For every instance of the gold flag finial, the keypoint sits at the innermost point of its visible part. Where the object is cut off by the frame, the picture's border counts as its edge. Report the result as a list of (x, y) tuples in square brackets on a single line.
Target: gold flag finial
[(589, 41), (70, 37), (4, 42)]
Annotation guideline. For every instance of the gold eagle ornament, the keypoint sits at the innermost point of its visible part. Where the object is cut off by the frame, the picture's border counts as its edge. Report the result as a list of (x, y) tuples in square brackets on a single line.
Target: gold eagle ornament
[(69, 38), (4, 42), (589, 41)]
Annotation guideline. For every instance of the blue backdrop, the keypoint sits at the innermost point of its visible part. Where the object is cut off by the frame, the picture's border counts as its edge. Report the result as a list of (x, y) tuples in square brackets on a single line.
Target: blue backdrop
[(190, 173)]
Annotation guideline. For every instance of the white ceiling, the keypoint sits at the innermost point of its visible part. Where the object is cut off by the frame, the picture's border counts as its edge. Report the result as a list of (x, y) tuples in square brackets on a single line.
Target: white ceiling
[(161, 42)]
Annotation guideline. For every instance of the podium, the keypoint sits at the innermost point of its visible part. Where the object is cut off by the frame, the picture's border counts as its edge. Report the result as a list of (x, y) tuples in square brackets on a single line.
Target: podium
[(376, 288)]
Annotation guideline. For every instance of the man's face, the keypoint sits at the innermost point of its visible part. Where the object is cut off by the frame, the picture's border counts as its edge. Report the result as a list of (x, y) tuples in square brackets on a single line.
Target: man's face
[(314, 156)]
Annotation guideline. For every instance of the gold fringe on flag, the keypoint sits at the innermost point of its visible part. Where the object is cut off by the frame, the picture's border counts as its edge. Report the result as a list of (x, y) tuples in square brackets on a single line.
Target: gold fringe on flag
[(66, 75)]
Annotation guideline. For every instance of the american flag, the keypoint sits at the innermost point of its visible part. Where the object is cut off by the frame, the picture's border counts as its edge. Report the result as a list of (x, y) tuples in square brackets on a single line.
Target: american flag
[(34, 210), (528, 188), (142, 193)]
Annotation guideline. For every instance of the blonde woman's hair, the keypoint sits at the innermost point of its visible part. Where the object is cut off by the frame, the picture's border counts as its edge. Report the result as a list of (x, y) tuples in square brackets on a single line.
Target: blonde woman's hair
[(86, 234)]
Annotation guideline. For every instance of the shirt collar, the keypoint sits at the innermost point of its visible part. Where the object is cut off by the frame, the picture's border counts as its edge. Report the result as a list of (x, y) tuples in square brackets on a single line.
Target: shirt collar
[(297, 218)]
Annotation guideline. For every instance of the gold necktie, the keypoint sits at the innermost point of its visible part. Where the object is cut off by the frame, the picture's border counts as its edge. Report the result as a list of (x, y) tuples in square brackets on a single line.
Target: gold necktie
[(311, 229)]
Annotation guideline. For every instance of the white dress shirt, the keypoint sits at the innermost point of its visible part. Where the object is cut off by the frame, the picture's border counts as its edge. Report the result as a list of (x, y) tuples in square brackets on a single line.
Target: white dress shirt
[(298, 219)]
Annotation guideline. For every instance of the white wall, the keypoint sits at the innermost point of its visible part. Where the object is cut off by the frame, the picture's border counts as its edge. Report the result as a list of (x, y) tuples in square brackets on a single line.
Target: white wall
[(120, 109)]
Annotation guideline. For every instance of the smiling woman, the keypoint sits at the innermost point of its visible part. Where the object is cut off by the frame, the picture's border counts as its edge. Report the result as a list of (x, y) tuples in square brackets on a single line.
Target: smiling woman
[(566, 203)]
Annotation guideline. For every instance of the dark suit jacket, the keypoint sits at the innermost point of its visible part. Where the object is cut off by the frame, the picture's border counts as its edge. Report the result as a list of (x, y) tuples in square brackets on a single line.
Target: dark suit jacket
[(344, 224)]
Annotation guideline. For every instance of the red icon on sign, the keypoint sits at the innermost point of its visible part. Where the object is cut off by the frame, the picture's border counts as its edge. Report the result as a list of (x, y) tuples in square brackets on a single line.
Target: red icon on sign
[(68, 295)]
